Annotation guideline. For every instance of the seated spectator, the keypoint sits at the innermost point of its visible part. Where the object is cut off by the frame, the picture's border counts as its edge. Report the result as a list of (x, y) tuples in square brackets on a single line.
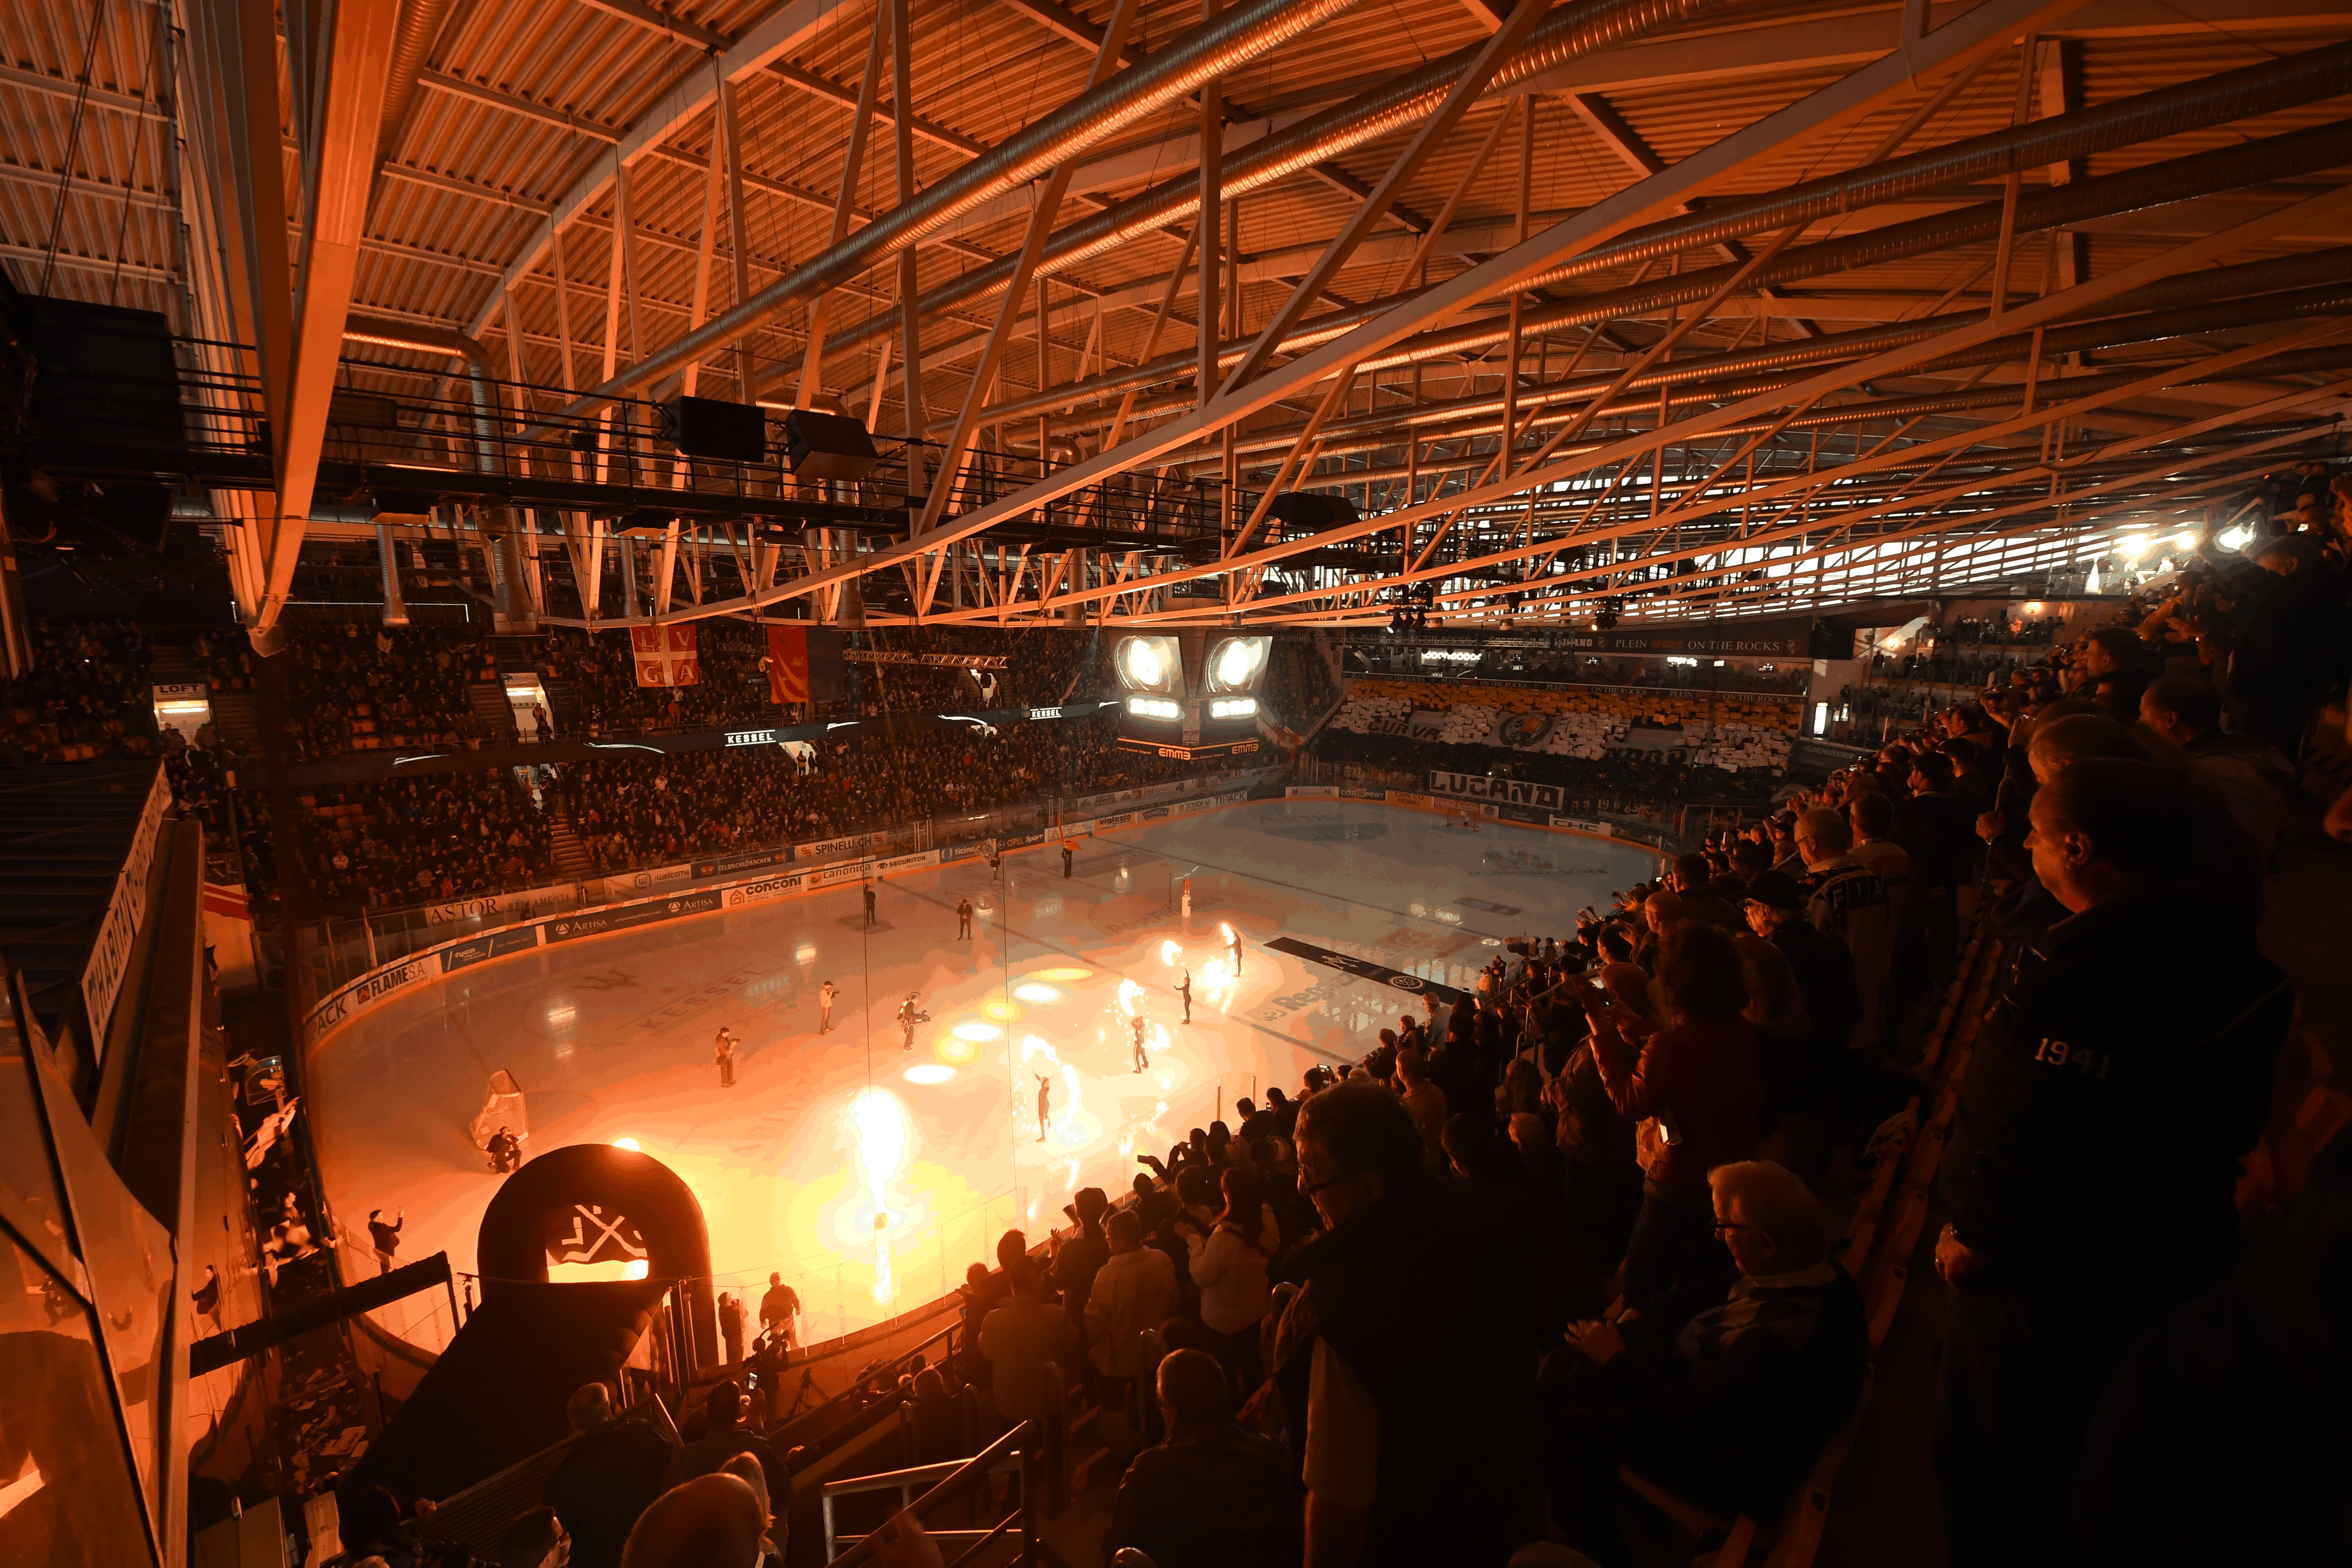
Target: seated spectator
[(1695, 1083), (1032, 1349), (1212, 1495), (609, 1476), (1727, 1409), (1386, 1415), (712, 1522), (724, 1409), (2100, 1123)]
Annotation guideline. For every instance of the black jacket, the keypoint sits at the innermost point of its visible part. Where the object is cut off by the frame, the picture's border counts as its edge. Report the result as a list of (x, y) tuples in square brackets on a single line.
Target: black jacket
[(1419, 1297), (1219, 1500), (2113, 1090), (1824, 971), (611, 1476)]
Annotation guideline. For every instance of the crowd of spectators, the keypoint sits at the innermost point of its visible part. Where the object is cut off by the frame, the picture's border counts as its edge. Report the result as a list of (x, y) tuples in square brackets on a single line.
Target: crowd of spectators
[(1298, 682), (423, 840), (598, 674), (1535, 666), (1574, 1221), (85, 696), (352, 687), (1625, 781), (635, 809)]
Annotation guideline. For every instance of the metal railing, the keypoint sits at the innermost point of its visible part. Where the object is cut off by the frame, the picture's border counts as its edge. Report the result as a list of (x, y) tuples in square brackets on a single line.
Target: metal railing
[(1031, 1451)]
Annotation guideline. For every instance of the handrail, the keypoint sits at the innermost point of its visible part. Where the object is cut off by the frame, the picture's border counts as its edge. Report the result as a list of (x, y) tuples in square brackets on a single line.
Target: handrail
[(1024, 1443), (827, 1434)]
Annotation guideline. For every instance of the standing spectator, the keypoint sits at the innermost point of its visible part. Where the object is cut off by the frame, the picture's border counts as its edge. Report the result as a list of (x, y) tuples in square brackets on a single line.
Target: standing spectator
[(1134, 1290), (386, 1237), (1081, 1257), (780, 1312), (724, 1409), (1824, 969), (730, 1327), (1387, 1415), (1696, 1081), (1032, 1349), (1228, 1263), (1851, 904), (1212, 1495), (2292, 650), (612, 1473), (2101, 1121), (1425, 1103), (2245, 774)]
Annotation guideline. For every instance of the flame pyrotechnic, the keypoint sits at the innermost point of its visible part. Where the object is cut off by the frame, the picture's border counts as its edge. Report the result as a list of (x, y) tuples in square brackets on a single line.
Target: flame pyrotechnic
[(879, 1124)]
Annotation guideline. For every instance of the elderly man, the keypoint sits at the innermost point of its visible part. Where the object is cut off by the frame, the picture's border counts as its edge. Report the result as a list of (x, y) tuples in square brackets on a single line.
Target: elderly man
[(1212, 1495), (1727, 1409), (1851, 904), (2093, 1163), (610, 1474), (1390, 1411)]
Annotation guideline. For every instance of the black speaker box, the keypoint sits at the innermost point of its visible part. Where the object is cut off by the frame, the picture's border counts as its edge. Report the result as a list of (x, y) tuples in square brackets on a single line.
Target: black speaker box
[(1311, 512), (827, 445), (708, 427), (825, 662), (104, 372)]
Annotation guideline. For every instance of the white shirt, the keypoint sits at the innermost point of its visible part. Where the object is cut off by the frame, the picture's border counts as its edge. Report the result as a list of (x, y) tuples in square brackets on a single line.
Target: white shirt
[(1343, 1433), (1231, 1273), (1132, 1291)]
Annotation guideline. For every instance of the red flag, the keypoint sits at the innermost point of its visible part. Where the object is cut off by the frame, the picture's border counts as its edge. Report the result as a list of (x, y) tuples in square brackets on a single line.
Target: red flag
[(788, 664), (664, 656)]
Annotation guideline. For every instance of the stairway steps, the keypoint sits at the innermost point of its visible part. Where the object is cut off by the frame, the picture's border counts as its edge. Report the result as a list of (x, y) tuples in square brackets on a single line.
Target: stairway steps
[(570, 860), (236, 721), (493, 715)]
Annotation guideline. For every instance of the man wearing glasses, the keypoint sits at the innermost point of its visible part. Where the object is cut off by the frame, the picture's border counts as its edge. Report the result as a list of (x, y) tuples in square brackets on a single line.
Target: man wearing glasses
[(1728, 1410), (1401, 1364)]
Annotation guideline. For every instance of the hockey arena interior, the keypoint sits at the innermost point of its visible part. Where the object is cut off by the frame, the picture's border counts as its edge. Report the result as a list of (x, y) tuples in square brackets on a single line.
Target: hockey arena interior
[(1100, 784)]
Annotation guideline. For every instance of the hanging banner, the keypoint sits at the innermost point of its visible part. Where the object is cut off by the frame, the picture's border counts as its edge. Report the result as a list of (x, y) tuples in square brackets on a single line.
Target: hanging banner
[(788, 664), (664, 656), (932, 661)]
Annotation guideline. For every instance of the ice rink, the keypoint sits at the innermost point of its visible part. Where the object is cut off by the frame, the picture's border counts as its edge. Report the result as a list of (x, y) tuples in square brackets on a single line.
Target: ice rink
[(612, 1038)]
